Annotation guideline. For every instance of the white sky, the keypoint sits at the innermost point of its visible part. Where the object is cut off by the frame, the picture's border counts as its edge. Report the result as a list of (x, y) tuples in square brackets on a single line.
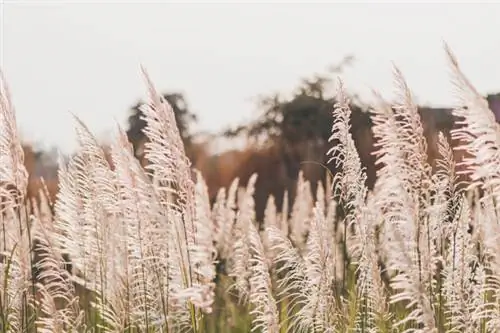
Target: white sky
[(85, 58)]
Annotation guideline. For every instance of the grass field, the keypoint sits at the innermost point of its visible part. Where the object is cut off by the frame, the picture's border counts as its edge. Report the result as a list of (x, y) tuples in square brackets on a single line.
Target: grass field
[(130, 249)]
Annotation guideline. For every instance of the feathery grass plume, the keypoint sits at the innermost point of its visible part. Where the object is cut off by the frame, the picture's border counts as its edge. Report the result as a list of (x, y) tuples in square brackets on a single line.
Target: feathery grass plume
[(46, 192), (463, 285), (399, 139), (300, 218), (140, 294), (97, 191), (270, 213), (264, 311), (400, 212), (349, 183), (59, 307), (479, 137), (446, 200), (167, 160), (225, 217), (284, 214), (320, 196), (45, 205), (86, 218), (203, 254), (16, 298), (273, 220), (100, 171), (172, 179), (307, 282), (478, 133), (446, 176), (411, 133), (488, 228), (443, 208), (373, 308), (218, 216), (420, 180), (429, 228), (489, 248), (42, 214), (69, 218), (387, 143), (423, 187), (336, 237), (292, 280), (320, 262), (327, 207), (270, 220), (13, 173), (240, 260)]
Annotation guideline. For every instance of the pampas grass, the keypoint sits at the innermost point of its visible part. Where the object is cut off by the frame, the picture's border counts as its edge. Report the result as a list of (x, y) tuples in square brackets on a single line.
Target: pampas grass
[(127, 248)]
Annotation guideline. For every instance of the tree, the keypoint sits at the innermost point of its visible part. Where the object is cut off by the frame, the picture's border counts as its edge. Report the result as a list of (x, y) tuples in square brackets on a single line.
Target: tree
[(294, 131), (306, 116)]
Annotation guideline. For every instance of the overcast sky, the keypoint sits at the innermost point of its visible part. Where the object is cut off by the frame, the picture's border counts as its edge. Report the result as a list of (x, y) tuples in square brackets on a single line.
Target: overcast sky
[(72, 56)]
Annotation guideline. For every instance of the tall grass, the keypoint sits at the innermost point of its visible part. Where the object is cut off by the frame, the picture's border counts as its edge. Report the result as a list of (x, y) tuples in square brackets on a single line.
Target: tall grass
[(131, 249)]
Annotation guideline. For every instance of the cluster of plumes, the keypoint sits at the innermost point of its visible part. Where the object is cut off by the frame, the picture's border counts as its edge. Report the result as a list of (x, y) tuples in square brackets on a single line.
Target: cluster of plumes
[(416, 254), (140, 241)]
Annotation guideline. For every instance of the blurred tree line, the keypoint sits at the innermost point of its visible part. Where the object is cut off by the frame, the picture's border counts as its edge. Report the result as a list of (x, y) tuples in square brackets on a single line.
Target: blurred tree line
[(289, 134)]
